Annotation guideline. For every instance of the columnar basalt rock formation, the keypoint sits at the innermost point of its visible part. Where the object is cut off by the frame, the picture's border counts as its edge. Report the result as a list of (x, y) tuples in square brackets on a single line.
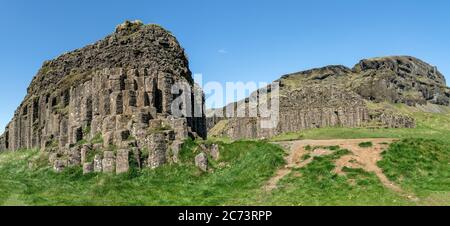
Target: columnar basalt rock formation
[(2, 143), (101, 103), (337, 96)]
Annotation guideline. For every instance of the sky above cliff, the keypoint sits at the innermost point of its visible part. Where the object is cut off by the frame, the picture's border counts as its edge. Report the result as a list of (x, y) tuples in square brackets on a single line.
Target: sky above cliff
[(251, 40)]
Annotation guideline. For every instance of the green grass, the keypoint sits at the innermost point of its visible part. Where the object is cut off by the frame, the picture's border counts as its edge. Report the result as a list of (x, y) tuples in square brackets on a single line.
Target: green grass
[(97, 139), (361, 133), (306, 157), (418, 162), (420, 165), (237, 178), (429, 126), (316, 184), (366, 144)]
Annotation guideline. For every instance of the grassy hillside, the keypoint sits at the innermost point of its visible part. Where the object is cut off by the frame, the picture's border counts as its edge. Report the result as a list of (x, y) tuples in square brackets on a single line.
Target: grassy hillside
[(419, 163), (237, 179), (421, 167)]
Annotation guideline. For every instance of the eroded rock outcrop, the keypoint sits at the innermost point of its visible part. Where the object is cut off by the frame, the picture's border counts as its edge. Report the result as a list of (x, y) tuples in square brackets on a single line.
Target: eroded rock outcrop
[(405, 80), (337, 96), (114, 96)]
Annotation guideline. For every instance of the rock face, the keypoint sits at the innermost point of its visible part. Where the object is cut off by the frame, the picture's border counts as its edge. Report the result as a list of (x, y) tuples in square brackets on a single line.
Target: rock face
[(113, 94), (123, 161), (401, 80), (158, 156), (337, 96), (2, 143)]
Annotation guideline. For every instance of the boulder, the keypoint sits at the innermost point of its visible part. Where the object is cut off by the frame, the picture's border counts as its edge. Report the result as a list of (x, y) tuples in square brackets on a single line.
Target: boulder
[(88, 167), (98, 165), (108, 162), (201, 161), (176, 148), (52, 158), (215, 151), (59, 165)]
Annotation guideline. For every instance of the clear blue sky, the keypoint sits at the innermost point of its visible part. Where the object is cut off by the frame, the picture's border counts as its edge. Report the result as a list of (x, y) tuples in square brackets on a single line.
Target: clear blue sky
[(232, 40)]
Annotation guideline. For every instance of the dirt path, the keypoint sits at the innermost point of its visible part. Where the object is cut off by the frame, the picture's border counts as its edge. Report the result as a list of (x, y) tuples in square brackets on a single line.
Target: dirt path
[(365, 158)]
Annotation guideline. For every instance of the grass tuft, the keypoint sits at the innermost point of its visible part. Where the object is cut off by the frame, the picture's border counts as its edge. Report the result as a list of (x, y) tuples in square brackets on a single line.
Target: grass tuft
[(366, 144)]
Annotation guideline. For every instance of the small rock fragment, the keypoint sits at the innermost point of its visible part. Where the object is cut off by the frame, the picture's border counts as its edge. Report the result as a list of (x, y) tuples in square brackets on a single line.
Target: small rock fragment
[(201, 161)]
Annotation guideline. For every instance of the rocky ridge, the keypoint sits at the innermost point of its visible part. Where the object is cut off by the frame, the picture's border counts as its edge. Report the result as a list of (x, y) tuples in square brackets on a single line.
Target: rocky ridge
[(337, 96), (108, 104)]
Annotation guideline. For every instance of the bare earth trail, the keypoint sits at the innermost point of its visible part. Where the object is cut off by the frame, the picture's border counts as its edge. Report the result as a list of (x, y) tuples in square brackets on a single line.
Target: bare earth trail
[(364, 158)]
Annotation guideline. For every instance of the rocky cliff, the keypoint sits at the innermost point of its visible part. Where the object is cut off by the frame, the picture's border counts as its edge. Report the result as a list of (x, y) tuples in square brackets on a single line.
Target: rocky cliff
[(337, 96), (107, 102), (400, 80)]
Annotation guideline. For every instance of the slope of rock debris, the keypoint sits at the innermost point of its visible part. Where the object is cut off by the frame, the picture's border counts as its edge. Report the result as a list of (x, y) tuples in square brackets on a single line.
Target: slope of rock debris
[(108, 104), (337, 96)]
